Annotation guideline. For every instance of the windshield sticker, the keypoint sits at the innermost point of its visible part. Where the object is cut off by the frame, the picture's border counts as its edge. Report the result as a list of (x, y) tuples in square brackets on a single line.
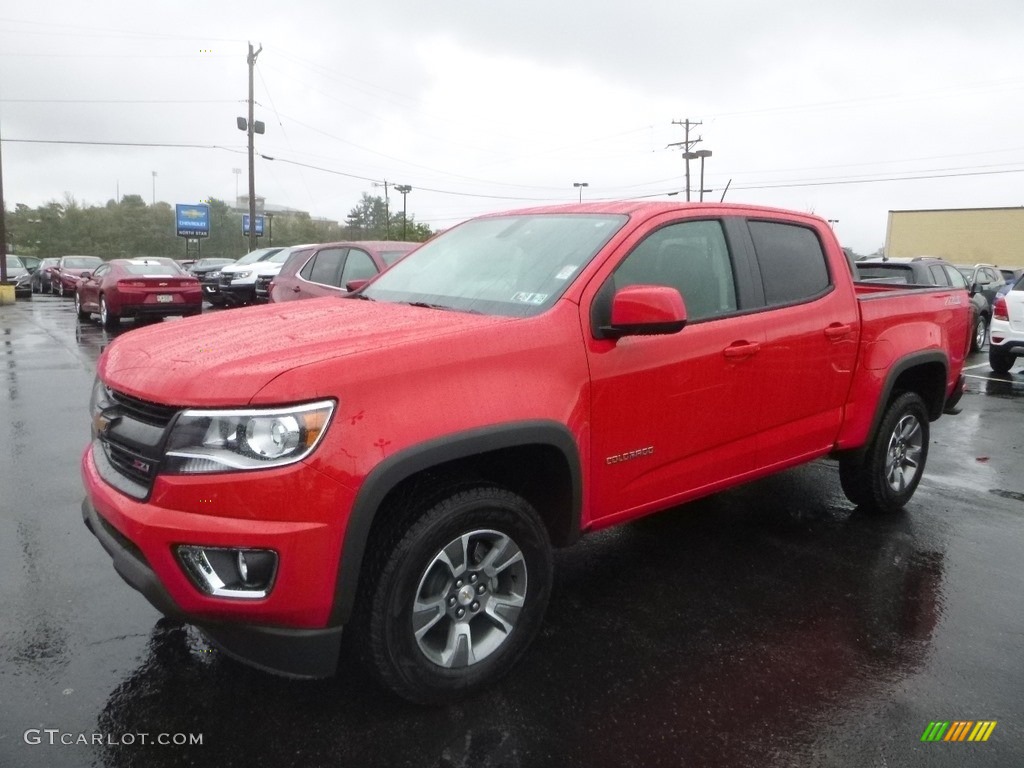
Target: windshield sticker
[(566, 272), (531, 298)]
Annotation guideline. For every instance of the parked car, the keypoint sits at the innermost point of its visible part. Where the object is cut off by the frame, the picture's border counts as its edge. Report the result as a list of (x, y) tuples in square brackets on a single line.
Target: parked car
[(329, 268), (212, 280), (267, 270), (137, 288), (65, 277), (31, 263), (42, 278), (930, 270), (985, 279), (201, 267), (19, 275), (399, 468), (1007, 338)]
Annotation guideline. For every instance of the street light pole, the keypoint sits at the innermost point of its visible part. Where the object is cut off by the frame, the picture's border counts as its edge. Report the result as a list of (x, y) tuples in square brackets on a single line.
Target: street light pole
[(580, 185), (405, 189), (154, 187), (688, 156)]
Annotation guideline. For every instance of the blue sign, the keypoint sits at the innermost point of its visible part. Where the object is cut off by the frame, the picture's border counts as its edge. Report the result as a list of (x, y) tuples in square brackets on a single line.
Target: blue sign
[(192, 220), (245, 225)]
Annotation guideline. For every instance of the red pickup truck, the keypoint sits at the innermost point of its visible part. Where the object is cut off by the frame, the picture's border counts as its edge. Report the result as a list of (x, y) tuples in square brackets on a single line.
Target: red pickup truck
[(400, 463)]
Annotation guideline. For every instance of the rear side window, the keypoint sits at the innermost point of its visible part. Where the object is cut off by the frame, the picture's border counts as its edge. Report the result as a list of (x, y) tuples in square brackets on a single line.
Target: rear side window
[(325, 267), (956, 279), (791, 260), (938, 274)]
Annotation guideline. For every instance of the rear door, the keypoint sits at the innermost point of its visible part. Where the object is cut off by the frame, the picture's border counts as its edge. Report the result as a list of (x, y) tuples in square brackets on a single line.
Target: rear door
[(89, 289), (812, 328)]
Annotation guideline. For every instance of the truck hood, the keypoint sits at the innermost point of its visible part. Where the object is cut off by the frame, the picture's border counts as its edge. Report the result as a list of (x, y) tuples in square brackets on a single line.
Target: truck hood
[(224, 359)]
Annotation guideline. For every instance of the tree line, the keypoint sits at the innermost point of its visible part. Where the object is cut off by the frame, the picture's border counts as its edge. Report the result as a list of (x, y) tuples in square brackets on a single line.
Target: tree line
[(130, 227)]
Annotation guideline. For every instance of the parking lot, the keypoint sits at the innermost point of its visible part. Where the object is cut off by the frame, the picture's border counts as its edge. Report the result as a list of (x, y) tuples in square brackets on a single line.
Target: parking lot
[(772, 625)]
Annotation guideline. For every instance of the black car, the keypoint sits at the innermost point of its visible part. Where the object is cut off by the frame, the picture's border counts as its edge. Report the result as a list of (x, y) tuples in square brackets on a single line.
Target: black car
[(930, 270), (42, 278), (207, 271)]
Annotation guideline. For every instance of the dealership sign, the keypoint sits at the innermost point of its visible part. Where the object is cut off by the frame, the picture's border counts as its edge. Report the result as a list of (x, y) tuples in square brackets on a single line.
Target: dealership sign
[(192, 220), (245, 225)]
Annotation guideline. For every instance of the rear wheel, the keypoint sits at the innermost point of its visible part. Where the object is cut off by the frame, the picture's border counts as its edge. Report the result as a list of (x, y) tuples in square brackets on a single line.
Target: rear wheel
[(980, 333), (108, 318), (1000, 361), (885, 475), (457, 596)]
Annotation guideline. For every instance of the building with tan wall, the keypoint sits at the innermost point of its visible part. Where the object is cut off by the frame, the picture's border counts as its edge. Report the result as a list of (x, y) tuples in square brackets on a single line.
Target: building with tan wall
[(961, 235)]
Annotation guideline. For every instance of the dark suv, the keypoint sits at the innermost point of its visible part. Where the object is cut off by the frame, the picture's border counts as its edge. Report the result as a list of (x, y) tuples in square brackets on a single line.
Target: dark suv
[(930, 270)]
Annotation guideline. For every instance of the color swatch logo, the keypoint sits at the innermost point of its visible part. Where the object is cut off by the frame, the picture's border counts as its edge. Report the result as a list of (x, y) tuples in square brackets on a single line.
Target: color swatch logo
[(958, 730)]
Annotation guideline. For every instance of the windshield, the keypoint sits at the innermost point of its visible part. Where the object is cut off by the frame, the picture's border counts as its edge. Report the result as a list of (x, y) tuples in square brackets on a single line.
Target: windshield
[(508, 265), (82, 262)]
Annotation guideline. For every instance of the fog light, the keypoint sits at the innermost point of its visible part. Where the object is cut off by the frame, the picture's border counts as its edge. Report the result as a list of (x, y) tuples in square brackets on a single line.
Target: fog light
[(229, 572)]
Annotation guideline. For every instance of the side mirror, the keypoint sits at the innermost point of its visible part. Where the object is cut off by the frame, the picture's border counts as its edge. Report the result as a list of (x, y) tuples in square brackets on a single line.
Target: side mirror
[(355, 285), (975, 287), (85, 276), (645, 310)]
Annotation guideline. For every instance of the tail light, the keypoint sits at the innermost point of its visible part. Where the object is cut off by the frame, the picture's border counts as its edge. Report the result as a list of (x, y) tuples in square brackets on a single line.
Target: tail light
[(131, 284), (999, 311)]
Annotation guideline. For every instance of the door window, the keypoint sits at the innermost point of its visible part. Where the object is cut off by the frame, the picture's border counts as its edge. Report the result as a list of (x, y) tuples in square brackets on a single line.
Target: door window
[(691, 257), (325, 267), (358, 266), (792, 262)]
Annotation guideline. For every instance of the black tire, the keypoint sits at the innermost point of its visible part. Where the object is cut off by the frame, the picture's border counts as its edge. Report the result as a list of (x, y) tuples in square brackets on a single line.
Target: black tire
[(82, 313), (980, 334), (475, 620), (884, 476), (1000, 361), (108, 319)]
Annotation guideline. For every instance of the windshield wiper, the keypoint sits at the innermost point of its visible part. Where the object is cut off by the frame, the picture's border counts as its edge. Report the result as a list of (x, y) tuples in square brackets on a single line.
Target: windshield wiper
[(361, 296)]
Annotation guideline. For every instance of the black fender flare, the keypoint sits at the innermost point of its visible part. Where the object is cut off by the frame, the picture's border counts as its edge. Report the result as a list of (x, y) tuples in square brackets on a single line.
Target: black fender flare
[(898, 368), (418, 458)]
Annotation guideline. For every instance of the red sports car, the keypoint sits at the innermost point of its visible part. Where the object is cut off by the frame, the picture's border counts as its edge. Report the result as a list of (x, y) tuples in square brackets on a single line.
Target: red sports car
[(68, 272), (137, 288)]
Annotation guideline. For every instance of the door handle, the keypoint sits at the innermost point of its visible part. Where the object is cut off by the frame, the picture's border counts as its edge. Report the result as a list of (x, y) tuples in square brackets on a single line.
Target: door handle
[(741, 349), (837, 331), (296, 289)]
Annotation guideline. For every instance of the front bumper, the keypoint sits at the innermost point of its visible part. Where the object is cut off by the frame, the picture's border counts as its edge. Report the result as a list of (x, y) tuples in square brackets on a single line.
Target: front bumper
[(283, 632)]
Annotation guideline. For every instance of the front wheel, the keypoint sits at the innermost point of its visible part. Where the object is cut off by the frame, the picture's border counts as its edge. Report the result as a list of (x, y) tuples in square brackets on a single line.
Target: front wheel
[(980, 334), (885, 475), (82, 313), (459, 596)]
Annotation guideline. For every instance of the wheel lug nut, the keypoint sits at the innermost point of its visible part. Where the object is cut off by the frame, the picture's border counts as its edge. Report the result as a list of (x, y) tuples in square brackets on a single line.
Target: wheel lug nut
[(458, 583), (472, 578), (461, 612), (475, 606), (481, 589), (451, 602)]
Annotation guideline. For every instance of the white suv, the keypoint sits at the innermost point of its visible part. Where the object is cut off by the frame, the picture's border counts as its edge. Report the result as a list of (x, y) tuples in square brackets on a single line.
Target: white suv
[(237, 282), (1006, 337)]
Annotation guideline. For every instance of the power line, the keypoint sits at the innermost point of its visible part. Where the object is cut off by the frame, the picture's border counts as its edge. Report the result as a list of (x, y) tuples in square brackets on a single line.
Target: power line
[(123, 144)]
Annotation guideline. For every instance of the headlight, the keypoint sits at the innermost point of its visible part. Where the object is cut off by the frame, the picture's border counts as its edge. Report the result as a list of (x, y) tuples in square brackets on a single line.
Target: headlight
[(241, 275), (210, 275), (221, 441)]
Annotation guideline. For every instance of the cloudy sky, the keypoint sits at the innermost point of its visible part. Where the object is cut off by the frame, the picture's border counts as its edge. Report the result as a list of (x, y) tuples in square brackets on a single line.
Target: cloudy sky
[(845, 109)]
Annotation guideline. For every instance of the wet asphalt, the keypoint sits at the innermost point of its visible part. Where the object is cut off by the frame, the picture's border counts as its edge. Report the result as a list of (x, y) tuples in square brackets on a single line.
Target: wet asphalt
[(772, 625)]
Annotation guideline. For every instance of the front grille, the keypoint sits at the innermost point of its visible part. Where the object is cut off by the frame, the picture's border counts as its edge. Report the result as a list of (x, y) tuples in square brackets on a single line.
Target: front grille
[(132, 464), (142, 410), (132, 442), (224, 281)]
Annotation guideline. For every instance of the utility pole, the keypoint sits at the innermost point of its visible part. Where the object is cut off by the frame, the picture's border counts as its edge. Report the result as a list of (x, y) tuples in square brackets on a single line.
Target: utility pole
[(252, 165), (687, 144), (3, 228), (387, 209)]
